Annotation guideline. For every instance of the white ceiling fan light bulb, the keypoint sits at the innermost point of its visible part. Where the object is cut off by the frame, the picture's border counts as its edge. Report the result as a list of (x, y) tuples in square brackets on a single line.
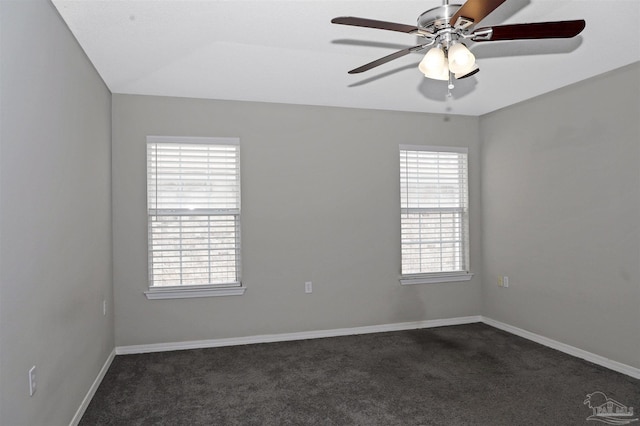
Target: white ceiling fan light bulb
[(461, 60), (433, 62)]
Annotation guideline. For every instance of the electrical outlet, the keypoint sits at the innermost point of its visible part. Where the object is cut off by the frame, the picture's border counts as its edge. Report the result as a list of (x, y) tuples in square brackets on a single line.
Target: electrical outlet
[(32, 381), (505, 281), (104, 307), (308, 287)]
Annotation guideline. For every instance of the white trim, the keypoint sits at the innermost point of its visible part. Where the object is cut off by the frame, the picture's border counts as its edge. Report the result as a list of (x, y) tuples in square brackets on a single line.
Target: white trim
[(268, 338), (435, 278), (284, 337), (92, 390), (187, 293), (193, 139), (563, 347), (458, 149)]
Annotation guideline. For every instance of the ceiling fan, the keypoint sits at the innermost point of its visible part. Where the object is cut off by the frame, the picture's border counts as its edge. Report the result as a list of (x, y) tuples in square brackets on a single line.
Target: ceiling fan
[(446, 28)]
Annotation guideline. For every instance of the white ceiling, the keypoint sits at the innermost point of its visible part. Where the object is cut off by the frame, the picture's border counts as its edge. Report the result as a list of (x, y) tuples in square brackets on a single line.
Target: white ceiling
[(288, 51)]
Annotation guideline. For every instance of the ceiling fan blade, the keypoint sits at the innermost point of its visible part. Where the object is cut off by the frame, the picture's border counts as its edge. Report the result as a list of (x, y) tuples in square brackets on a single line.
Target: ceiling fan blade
[(372, 23), (474, 71), (388, 58), (537, 30), (476, 10)]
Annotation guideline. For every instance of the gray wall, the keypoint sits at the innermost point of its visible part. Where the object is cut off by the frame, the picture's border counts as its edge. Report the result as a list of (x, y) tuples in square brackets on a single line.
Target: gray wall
[(55, 259), (320, 203), (561, 205)]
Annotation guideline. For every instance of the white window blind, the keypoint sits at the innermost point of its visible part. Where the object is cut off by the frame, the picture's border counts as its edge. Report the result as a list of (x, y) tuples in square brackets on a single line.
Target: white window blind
[(434, 210), (193, 201)]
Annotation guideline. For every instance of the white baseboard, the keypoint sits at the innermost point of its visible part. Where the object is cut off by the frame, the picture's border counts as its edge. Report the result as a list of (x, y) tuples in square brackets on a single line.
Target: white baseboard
[(92, 389), (284, 337), (563, 347), (265, 338)]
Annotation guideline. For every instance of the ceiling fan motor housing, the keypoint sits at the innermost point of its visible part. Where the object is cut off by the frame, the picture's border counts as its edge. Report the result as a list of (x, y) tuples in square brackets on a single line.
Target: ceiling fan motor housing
[(436, 19)]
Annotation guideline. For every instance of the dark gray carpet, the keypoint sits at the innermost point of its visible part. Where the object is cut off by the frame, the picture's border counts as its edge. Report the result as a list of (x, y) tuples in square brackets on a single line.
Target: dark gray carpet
[(461, 375)]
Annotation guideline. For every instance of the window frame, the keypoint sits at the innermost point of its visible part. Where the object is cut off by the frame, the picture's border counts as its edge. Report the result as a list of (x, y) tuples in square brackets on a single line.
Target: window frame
[(234, 288), (441, 276)]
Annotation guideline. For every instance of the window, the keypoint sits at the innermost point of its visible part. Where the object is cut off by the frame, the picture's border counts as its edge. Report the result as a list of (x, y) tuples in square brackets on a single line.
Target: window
[(434, 214), (193, 206)]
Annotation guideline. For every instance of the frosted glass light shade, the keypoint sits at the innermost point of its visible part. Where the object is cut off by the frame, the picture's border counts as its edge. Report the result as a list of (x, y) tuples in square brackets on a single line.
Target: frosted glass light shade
[(444, 72), (441, 74), (461, 60), (435, 65), (432, 61)]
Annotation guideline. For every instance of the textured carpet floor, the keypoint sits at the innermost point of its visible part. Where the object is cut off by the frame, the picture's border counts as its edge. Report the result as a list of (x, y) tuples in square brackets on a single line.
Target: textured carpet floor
[(461, 375)]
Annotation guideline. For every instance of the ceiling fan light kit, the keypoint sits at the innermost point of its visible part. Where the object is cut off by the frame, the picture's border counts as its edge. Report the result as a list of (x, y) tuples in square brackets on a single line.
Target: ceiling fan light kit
[(446, 26)]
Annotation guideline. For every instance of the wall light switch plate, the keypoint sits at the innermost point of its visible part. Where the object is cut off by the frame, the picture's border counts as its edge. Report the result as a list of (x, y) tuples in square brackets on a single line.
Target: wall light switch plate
[(308, 287), (505, 281)]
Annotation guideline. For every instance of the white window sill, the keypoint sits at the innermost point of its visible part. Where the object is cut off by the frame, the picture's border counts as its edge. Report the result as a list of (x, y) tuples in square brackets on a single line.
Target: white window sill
[(192, 291), (435, 278)]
